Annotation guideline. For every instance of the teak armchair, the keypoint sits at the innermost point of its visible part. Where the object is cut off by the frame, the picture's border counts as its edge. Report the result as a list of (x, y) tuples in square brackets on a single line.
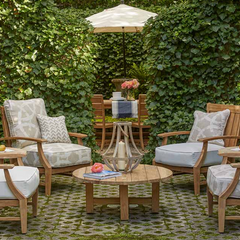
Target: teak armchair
[(222, 175), (230, 138), (142, 115), (99, 114), (46, 168), (11, 195)]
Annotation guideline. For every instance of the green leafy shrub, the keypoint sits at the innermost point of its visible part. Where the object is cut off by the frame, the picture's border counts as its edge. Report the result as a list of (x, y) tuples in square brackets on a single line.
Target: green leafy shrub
[(82, 4), (193, 56), (48, 53), (140, 72)]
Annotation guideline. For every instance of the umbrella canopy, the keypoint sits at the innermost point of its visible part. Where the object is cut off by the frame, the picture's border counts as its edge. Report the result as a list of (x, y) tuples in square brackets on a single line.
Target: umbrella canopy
[(122, 18)]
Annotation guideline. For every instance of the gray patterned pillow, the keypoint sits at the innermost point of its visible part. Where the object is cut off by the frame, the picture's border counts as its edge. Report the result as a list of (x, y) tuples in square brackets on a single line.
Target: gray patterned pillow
[(22, 119), (209, 125), (53, 129)]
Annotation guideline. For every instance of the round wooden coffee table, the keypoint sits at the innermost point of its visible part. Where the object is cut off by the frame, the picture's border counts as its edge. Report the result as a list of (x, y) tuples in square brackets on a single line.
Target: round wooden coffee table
[(12, 154), (141, 175)]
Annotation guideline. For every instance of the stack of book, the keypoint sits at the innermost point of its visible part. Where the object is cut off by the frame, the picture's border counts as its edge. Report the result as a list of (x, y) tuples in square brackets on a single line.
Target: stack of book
[(102, 175)]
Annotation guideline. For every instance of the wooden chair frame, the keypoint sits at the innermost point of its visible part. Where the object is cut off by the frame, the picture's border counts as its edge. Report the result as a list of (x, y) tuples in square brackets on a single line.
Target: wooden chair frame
[(20, 200), (99, 112), (142, 115), (224, 200), (230, 138), (46, 168)]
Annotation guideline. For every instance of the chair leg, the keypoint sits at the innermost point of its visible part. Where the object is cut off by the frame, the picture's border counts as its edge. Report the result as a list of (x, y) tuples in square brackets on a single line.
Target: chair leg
[(196, 176), (221, 214), (103, 138), (141, 138), (210, 202), (48, 181), (23, 214), (35, 203)]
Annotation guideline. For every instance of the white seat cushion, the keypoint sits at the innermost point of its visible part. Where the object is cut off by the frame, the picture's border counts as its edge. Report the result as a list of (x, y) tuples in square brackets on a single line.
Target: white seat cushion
[(58, 155), (187, 154), (219, 177), (26, 180)]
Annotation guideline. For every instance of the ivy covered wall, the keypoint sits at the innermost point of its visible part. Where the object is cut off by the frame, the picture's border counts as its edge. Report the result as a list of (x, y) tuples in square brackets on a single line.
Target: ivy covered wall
[(194, 58), (48, 53), (92, 4)]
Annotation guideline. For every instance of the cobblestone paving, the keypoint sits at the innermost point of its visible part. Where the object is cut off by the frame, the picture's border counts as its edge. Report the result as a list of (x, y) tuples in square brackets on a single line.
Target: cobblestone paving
[(62, 215)]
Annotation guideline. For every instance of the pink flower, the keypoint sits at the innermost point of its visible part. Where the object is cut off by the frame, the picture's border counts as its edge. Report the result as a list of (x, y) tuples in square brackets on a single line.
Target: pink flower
[(97, 168), (130, 84), (124, 85), (135, 83)]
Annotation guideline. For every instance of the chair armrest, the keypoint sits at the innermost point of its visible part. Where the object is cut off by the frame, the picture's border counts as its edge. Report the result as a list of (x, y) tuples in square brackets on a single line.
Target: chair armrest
[(231, 187), (79, 137), (169, 134), (205, 141), (38, 140), (216, 138), (7, 166), (235, 165)]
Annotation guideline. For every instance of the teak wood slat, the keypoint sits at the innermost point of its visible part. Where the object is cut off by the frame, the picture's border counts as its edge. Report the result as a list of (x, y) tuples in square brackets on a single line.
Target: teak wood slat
[(142, 174), (99, 113), (232, 133), (46, 168), (142, 115)]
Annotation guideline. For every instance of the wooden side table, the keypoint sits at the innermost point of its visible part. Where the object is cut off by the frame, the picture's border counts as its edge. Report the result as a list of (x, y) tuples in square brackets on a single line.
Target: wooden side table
[(141, 175), (12, 154), (228, 153)]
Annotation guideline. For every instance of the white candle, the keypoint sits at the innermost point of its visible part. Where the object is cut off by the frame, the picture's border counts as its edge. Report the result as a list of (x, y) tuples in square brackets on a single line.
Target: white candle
[(121, 164), (121, 150), (121, 154)]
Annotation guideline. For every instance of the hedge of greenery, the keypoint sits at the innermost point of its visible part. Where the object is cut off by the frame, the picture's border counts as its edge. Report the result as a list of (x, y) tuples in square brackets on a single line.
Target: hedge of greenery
[(194, 57), (92, 4), (48, 53)]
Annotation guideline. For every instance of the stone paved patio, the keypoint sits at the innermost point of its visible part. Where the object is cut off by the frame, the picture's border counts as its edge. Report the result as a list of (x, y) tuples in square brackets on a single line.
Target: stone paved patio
[(62, 215)]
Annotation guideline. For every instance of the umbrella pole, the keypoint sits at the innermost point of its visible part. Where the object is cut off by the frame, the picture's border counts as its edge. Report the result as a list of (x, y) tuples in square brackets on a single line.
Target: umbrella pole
[(124, 54)]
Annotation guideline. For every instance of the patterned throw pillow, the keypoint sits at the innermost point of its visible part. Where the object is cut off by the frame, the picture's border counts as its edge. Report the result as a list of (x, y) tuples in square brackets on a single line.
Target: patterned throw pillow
[(22, 119), (53, 129), (209, 125)]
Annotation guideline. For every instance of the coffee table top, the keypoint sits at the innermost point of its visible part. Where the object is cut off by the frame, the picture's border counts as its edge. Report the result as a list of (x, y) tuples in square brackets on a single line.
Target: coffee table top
[(142, 174), (12, 153), (228, 152)]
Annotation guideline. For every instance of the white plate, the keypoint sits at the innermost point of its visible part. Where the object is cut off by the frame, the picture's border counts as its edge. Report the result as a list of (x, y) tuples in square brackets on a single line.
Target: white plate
[(118, 99)]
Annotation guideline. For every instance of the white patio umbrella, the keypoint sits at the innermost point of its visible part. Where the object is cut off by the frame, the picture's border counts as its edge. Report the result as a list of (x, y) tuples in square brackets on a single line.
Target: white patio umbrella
[(122, 18)]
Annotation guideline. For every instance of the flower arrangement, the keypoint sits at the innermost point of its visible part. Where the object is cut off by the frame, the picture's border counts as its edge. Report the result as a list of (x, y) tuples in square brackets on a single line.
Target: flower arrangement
[(129, 87), (133, 84)]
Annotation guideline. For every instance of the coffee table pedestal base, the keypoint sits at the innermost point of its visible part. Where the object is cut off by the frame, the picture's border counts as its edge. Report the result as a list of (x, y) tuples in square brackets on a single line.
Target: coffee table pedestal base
[(123, 200)]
